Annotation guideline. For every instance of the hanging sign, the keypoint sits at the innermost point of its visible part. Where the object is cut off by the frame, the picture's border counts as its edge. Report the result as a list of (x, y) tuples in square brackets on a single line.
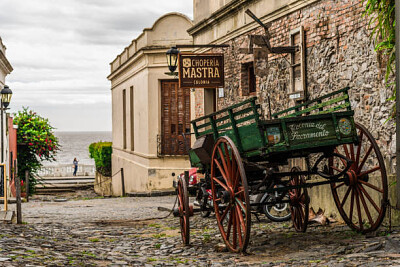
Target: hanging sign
[(201, 70)]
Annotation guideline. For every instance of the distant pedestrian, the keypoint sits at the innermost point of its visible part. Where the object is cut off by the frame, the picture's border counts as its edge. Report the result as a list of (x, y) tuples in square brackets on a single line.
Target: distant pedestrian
[(75, 162)]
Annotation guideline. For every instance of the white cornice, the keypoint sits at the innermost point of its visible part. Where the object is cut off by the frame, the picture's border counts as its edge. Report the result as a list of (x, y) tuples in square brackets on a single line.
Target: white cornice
[(4, 64)]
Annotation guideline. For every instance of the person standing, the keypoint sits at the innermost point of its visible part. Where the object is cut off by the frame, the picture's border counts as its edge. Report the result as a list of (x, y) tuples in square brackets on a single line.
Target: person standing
[(75, 162)]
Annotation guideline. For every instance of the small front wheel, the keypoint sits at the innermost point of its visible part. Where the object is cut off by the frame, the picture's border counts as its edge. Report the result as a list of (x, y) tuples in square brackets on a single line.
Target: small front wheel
[(299, 201), (184, 209)]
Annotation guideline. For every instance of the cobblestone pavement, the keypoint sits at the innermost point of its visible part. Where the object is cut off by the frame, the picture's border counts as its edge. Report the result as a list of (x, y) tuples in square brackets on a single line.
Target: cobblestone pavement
[(108, 232)]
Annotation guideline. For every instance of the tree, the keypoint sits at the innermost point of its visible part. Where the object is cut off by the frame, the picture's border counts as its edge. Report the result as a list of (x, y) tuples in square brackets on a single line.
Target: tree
[(36, 143), (382, 20)]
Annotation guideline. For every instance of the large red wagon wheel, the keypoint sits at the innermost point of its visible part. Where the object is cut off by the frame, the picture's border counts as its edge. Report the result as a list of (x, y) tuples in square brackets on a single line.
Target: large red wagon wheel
[(361, 199), (299, 201), (230, 195), (184, 209)]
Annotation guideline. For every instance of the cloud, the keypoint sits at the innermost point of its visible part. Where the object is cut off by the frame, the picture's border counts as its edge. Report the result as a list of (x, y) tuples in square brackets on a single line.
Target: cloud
[(61, 50)]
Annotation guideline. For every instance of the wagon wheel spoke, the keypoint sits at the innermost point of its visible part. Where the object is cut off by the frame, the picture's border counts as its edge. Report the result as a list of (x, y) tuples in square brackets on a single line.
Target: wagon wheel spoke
[(234, 236), (367, 181), (345, 196), (234, 171), (239, 224), (372, 186), (229, 226), (359, 149), (222, 171), (351, 204), (239, 192), (220, 183), (226, 161), (236, 180), (299, 203), (365, 207), (342, 160), (339, 185), (358, 209), (369, 198), (336, 169), (364, 159), (370, 171), (225, 212), (352, 156), (346, 151)]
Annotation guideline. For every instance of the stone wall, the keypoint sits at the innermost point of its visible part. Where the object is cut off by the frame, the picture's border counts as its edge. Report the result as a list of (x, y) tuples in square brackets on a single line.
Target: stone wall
[(339, 53), (102, 185)]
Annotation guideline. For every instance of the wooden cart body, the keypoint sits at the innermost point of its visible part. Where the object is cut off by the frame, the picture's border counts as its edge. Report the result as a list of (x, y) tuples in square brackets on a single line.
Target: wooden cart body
[(315, 126)]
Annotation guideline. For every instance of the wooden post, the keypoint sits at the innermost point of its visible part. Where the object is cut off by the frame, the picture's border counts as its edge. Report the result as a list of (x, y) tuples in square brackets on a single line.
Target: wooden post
[(122, 182), (18, 196), (27, 185), (5, 188)]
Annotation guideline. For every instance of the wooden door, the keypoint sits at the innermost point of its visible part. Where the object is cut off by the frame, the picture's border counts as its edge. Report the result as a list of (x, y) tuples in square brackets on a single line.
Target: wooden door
[(175, 118)]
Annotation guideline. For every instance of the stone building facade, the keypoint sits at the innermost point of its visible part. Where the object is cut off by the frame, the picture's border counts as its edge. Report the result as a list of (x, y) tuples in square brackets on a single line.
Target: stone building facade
[(338, 49), (140, 90)]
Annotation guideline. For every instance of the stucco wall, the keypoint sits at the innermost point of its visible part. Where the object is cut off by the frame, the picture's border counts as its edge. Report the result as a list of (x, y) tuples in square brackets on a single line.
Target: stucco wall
[(144, 70)]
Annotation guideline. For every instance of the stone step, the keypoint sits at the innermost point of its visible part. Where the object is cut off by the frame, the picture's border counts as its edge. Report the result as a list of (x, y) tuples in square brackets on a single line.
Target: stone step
[(74, 181), (61, 187), (48, 178)]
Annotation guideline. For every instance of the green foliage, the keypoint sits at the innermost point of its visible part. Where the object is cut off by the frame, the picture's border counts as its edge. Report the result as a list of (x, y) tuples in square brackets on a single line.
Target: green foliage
[(382, 20), (36, 143), (101, 153)]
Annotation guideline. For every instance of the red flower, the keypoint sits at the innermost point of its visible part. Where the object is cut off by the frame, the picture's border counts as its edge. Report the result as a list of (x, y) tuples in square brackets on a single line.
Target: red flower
[(30, 144)]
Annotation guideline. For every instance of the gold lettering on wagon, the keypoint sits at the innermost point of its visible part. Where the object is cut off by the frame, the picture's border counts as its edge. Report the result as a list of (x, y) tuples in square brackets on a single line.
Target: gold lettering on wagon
[(314, 130)]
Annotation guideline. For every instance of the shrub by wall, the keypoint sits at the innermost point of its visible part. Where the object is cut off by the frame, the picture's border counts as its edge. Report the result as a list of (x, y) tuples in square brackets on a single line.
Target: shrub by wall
[(101, 153)]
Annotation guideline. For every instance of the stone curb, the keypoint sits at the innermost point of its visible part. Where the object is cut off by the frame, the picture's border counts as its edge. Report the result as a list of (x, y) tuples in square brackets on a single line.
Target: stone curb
[(152, 193)]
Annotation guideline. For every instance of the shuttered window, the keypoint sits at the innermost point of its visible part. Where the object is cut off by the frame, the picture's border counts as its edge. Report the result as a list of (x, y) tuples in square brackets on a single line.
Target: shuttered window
[(175, 118)]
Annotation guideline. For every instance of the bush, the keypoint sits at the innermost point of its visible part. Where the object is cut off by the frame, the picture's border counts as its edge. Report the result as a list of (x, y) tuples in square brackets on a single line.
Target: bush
[(36, 143), (101, 153)]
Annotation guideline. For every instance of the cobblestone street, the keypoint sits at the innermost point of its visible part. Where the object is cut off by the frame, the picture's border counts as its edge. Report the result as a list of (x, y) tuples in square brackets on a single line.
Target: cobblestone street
[(88, 231)]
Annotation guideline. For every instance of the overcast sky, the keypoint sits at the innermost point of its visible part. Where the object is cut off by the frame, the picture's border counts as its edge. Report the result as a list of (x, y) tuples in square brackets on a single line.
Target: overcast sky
[(61, 49)]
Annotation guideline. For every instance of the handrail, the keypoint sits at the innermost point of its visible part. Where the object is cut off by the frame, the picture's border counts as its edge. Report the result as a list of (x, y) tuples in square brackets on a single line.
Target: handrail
[(316, 100), (225, 109)]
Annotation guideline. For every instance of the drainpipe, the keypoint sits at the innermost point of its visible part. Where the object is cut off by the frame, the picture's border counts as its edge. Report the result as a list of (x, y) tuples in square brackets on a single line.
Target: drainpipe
[(397, 47)]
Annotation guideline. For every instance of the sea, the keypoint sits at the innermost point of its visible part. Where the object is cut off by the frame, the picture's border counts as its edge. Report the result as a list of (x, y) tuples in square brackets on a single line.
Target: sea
[(76, 145)]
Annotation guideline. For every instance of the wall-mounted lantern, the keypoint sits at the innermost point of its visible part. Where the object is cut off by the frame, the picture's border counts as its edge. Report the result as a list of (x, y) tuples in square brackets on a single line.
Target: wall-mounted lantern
[(172, 59)]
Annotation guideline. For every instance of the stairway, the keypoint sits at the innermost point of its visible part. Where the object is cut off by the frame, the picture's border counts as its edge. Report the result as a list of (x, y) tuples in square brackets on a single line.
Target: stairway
[(54, 185)]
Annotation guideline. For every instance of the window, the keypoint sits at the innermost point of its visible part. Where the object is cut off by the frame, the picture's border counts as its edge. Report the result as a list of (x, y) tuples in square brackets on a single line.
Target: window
[(297, 68), (132, 115), (210, 100), (124, 119), (248, 79)]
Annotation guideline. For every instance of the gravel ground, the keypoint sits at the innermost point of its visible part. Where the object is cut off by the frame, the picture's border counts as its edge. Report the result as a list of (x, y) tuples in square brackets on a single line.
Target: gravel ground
[(90, 231)]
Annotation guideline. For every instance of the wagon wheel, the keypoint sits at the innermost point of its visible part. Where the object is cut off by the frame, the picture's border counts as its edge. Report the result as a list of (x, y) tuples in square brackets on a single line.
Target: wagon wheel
[(230, 195), (365, 184), (184, 209), (299, 201)]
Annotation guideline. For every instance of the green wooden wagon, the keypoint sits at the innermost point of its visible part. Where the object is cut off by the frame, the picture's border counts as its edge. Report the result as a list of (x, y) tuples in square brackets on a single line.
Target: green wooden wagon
[(242, 154)]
